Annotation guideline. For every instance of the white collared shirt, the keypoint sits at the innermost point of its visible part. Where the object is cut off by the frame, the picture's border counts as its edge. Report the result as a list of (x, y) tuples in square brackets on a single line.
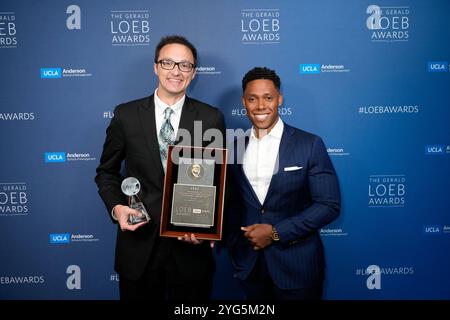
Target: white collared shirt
[(160, 106), (260, 159)]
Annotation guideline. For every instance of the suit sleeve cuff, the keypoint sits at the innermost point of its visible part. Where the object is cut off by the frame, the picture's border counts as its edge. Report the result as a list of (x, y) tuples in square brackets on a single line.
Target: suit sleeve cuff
[(286, 238)]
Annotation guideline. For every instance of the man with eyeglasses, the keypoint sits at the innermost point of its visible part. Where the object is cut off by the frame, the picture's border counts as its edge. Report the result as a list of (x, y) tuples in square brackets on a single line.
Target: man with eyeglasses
[(149, 266)]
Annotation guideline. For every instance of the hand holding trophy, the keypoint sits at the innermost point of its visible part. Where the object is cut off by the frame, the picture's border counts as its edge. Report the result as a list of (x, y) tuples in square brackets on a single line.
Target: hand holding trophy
[(131, 187)]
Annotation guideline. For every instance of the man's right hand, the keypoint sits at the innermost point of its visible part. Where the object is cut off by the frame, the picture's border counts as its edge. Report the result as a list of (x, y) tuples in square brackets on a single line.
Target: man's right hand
[(122, 212)]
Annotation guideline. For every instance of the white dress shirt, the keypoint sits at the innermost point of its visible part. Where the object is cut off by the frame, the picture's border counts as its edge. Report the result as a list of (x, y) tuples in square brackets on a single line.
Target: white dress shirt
[(161, 106), (260, 159)]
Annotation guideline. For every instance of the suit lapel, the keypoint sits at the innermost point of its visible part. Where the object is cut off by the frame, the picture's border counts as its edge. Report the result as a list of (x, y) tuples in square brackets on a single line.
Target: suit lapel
[(240, 171), (148, 123), (188, 116)]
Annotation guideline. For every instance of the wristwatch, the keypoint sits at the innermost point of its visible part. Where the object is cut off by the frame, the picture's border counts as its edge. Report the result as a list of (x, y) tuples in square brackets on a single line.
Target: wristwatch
[(275, 236)]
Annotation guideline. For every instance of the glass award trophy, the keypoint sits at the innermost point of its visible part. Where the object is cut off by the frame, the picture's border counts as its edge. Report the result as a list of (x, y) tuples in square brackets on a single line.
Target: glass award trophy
[(131, 187)]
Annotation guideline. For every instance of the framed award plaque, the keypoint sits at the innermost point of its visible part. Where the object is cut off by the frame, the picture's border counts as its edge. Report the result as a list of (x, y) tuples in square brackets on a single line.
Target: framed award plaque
[(194, 190)]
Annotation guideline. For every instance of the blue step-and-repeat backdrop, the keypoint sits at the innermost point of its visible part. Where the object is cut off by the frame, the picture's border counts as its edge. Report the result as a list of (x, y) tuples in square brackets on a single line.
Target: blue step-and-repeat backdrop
[(370, 77)]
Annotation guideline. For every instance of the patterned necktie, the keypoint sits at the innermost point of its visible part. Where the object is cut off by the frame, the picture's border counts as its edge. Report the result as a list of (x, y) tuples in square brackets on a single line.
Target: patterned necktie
[(166, 135)]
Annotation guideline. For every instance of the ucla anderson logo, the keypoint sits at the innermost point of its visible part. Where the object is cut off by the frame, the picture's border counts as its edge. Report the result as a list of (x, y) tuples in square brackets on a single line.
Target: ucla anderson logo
[(59, 238), (56, 73), (309, 68), (315, 68), (435, 149), (437, 66), (51, 73), (55, 157), (431, 229)]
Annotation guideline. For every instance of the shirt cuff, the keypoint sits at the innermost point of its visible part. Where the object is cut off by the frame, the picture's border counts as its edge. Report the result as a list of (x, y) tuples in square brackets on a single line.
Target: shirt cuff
[(113, 215)]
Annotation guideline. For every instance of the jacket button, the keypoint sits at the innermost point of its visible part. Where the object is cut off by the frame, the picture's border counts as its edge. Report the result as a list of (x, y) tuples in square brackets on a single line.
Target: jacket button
[(262, 210)]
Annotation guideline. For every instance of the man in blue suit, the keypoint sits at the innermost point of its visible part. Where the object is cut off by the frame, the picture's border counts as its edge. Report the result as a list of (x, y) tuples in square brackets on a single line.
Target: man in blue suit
[(284, 190)]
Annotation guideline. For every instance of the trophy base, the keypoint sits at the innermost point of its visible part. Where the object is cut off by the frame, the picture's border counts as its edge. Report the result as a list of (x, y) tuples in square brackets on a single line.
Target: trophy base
[(144, 217)]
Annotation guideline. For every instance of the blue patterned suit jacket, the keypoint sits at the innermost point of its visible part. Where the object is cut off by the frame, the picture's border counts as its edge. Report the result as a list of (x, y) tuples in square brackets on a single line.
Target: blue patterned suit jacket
[(303, 197)]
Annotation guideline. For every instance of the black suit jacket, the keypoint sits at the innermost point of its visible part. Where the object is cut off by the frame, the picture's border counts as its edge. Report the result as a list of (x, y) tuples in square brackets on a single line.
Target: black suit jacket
[(131, 139)]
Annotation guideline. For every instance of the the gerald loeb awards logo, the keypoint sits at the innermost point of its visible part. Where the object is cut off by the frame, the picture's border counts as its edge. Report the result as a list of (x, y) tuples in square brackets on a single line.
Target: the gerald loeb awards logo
[(388, 23), (130, 27), (8, 30), (387, 190), (14, 199), (260, 26)]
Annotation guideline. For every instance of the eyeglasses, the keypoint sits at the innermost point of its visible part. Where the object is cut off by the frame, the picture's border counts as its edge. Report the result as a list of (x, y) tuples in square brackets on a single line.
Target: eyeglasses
[(184, 66)]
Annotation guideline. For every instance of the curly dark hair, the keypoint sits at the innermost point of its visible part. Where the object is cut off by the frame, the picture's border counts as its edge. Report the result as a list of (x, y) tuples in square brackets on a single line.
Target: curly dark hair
[(261, 73)]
